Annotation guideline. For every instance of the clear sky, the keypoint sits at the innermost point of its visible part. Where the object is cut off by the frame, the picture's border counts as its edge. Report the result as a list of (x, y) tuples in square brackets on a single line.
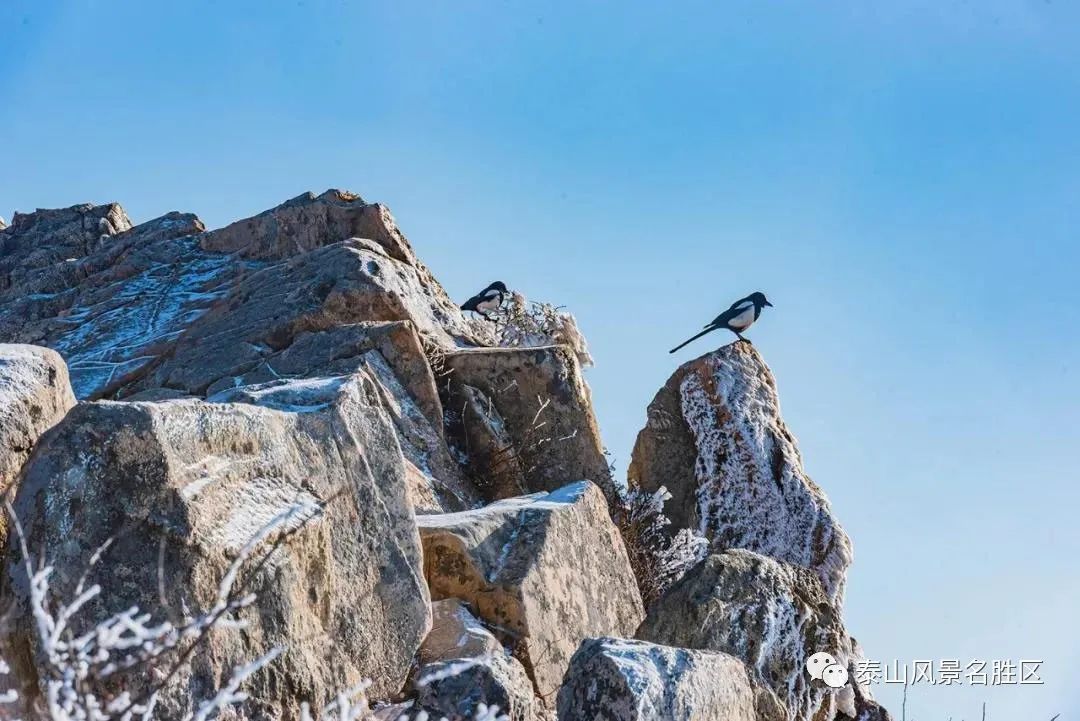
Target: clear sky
[(901, 178)]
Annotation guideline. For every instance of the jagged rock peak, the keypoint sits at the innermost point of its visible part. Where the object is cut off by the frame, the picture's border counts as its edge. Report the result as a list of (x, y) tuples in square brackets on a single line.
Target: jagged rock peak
[(309, 221), (715, 438)]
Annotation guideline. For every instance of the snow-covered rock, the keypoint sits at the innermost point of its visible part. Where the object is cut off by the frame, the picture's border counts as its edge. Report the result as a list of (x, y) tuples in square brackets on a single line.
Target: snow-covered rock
[(715, 438), (771, 615), (537, 398), (546, 570), (344, 592), (34, 395), (615, 679)]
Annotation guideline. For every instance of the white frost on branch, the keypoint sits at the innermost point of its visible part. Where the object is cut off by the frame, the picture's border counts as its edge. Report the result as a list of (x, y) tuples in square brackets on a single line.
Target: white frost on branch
[(521, 323), (79, 674)]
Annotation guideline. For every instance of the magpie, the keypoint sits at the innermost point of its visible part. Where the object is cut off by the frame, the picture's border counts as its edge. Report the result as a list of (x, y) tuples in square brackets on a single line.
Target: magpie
[(489, 299), (740, 316)]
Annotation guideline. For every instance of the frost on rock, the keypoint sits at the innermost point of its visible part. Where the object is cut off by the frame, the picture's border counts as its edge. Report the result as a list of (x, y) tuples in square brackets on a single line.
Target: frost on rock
[(113, 338), (626, 680), (521, 323), (34, 395), (716, 440), (545, 571), (771, 615), (343, 594)]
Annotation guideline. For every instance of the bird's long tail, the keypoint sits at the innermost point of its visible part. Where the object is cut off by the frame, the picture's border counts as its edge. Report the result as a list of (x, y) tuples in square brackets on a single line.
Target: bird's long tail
[(708, 329)]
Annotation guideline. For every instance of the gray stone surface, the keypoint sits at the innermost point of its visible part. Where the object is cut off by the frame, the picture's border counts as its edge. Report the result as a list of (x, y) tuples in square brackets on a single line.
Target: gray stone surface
[(546, 570), (615, 679), (716, 440), (344, 594)]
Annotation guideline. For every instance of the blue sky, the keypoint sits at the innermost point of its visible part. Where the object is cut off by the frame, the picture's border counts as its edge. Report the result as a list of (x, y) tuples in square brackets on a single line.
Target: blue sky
[(900, 178)]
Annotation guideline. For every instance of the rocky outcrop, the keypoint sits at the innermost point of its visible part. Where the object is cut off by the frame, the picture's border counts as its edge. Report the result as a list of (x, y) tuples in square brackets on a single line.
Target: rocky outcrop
[(771, 615), (34, 395), (342, 591), (529, 414), (35, 242), (120, 308), (546, 570), (614, 679), (112, 312), (305, 359), (715, 439)]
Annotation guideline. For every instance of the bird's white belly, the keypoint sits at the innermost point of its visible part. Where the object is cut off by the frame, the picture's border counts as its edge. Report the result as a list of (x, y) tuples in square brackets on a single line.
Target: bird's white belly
[(743, 320), (489, 304)]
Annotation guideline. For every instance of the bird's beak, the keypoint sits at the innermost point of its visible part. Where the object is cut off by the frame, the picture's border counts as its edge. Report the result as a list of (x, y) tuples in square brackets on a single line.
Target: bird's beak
[(768, 304)]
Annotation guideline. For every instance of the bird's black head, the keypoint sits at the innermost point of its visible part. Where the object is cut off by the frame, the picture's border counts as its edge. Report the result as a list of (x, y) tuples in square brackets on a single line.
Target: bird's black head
[(497, 285), (759, 300)]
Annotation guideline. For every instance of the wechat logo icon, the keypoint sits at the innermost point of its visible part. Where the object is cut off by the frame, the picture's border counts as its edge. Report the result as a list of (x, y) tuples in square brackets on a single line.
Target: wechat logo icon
[(824, 667)]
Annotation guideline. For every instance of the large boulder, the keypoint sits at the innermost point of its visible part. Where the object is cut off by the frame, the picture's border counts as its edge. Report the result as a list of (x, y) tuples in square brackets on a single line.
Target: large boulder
[(545, 570), (537, 399), (771, 615), (714, 437), (615, 679), (34, 395), (392, 354), (343, 592)]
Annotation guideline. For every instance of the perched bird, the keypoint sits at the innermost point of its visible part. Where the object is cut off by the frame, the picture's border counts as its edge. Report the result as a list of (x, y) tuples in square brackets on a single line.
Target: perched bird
[(487, 300), (740, 316)]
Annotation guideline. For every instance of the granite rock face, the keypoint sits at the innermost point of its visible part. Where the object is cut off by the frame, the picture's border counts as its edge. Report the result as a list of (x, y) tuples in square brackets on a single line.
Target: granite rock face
[(546, 570), (538, 400), (716, 440), (34, 395), (115, 300), (36, 242), (343, 592), (614, 679), (770, 615), (463, 666)]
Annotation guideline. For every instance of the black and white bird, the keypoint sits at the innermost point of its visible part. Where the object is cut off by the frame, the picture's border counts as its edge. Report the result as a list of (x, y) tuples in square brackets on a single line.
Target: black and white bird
[(487, 300), (740, 316)]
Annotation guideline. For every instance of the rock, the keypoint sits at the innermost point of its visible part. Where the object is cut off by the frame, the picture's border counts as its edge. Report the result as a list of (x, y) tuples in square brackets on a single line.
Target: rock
[(538, 402), (455, 633), (393, 355), (131, 307), (614, 679), (770, 615), (311, 221), (37, 241), (462, 665), (457, 689), (339, 284), (545, 570), (3, 223), (34, 395), (343, 593), (111, 313), (715, 439)]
